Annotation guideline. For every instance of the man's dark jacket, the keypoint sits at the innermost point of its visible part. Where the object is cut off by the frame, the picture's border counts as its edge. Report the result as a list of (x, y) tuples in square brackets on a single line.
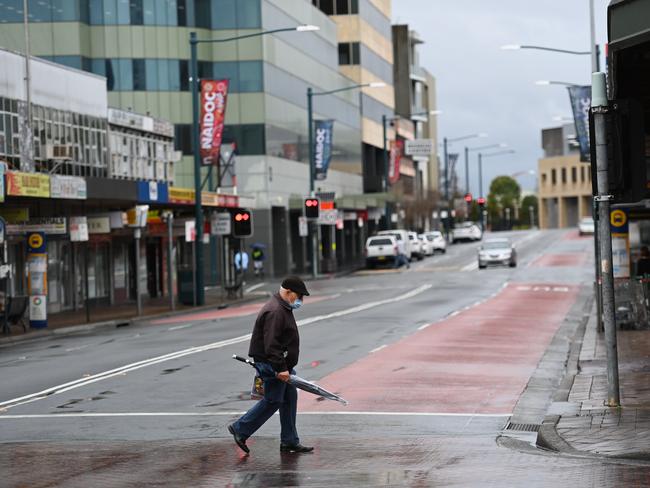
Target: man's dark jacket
[(275, 337)]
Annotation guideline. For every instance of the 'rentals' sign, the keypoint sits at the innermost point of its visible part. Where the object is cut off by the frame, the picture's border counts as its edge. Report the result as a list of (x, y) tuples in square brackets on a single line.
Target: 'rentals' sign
[(214, 94)]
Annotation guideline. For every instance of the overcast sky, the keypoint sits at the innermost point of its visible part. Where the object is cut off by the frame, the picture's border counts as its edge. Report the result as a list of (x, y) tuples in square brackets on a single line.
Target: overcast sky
[(482, 88)]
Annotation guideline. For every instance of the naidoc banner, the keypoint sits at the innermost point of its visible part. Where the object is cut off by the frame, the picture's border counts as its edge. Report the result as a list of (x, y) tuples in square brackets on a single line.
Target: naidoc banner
[(396, 152), (214, 94), (323, 147), (581, 103)]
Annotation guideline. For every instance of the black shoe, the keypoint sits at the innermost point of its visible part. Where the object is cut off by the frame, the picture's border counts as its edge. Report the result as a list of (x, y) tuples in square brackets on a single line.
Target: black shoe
[(239, 440), (298, 448)]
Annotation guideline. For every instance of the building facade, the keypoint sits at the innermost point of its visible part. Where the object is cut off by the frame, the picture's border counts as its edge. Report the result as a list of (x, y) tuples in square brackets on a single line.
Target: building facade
[(141, 47), (564, 182)]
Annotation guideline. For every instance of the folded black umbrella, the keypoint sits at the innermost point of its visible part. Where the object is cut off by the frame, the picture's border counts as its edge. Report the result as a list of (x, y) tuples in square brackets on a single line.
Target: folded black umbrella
[(302, 384)]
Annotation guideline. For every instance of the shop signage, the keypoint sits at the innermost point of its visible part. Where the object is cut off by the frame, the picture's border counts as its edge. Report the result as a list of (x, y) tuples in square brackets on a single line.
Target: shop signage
[(70, 187), (137, 216), (152, 192), (214, 94), (47, 225), (220, 224), (78, 229), (117, 219), (328, 217), (3, 230), (15, 215), (190, 231), (28, 184), (99, 225), (181, 195)]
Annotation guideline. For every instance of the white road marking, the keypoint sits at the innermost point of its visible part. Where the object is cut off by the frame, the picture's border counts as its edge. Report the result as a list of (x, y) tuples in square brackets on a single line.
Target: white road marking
[(122, 370), (228, 414), (254, 287), (179, 327), (424, 326), (378, 348), (470, 267)]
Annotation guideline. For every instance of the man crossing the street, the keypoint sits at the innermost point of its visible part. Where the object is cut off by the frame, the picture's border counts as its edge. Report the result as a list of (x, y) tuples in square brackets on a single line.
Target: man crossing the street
[(275, 347)]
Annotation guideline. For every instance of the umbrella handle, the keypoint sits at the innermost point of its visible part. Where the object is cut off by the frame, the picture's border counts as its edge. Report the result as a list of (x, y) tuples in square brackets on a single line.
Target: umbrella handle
[(244, 360)]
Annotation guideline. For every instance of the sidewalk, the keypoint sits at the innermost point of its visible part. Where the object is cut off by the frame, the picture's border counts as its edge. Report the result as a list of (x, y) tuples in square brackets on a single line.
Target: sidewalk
[(581, 423), (122, 315)]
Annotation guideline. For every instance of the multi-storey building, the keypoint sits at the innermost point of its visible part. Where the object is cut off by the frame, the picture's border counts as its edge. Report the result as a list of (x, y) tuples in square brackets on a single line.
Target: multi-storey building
[(142, 49), (564, 181)]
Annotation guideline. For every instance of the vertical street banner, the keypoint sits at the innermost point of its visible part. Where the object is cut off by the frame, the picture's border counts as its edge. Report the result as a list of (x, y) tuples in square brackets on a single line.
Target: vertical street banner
[(214, 94), (322, 148), (580, 103), (396, 152)]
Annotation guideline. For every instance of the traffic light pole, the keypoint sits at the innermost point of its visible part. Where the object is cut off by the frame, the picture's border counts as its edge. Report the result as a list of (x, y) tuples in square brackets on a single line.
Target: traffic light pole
[(387, 216), (467, 192), (480, 189), (314, 224)]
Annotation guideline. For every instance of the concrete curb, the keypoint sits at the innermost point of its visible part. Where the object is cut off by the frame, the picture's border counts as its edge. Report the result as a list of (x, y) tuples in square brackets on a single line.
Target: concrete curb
[(144, 320)]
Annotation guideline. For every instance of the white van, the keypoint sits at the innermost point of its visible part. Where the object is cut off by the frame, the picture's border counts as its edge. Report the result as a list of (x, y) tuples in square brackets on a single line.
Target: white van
[(403, 241)]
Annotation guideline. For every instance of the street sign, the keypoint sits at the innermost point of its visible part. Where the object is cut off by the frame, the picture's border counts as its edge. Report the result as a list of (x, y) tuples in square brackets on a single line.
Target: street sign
[(422, 148), (303, 230), (328, 217), (78, 229), (221, 224), (190, 231)]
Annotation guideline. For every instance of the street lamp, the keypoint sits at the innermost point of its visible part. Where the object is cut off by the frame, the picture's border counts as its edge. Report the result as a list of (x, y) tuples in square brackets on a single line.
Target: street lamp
[(480, 172), (194, 82), (384, 120), (550, 82), (310, 122), (480, 148), (446, 142), (516, 47)]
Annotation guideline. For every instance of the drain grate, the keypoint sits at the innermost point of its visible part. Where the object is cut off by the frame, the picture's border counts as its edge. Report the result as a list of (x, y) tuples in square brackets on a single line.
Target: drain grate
[(522, 427)]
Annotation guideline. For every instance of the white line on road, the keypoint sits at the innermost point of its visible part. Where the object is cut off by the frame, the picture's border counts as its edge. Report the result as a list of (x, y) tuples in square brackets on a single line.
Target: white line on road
[(179, 327), (424, 326), (229, 414), (378, 348), (254, 287), (470, 267), (55, 390)]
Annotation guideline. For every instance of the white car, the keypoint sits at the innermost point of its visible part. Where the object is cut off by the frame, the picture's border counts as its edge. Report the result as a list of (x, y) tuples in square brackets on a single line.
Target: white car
[(416, 246), (403, 241), (381, 250), (466, 231), (586, 226), (427, 245), (437, 240), (498, 251)]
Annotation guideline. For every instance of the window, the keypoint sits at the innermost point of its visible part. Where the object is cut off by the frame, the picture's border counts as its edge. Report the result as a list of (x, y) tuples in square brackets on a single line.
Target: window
[(139, 75), (553, 176), (151, 74), (326, 6), (564, 176), (337, 7), (349, 53), (544, 175), (123, 12), (250, 77), (231, 14), (137, 12), (181, 12), (582, 174), (183, 138), (163, 74), (574, 175)]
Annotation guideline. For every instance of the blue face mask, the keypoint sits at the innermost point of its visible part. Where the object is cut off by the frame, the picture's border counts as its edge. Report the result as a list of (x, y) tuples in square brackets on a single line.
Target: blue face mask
[(297, 304)]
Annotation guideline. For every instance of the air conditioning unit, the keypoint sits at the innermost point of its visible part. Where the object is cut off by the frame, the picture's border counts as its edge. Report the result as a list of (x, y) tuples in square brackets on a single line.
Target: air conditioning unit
[(58, 151)]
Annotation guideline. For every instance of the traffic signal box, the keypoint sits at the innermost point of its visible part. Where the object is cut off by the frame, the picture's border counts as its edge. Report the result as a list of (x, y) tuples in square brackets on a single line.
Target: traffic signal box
[(242, 223), (312, 206), (468, 197), (481, 202)]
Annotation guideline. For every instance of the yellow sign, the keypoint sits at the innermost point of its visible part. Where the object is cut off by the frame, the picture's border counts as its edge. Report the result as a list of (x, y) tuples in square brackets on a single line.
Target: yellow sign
[(35, 241), (181, 195), (28, 184), (14, 215), (618, 218)]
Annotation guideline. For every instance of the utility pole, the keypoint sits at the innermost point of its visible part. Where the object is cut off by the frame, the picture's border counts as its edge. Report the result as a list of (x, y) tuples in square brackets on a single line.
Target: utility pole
[(599, 107), (447, 209)]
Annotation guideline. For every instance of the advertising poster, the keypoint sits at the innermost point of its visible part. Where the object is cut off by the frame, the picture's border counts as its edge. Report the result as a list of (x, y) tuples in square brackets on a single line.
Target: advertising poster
[(214, 94), (396, 152), (322, 147), (581, 103)]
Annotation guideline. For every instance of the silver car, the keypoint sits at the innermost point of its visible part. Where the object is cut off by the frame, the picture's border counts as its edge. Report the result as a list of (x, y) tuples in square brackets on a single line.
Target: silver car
[(495, 252)]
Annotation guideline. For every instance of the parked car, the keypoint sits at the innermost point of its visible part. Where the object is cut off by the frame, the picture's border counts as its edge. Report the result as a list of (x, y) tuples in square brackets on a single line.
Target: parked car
[(427, 245), (403, 241), (416, 246), (437, 240), (381, 250), (586, 226), (494, 252), (466, 231)]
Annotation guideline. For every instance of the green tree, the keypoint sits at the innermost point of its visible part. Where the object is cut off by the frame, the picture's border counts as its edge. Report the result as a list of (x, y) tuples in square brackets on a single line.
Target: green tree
[(524, 212), (504, 194)]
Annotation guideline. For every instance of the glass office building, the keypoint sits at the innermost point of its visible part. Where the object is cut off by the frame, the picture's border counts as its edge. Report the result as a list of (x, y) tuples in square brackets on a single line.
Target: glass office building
[(142, 48)]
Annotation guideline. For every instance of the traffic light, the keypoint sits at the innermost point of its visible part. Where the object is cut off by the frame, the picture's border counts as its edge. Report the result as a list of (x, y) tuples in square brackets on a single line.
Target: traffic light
[(311, 208), (468, 197), (481, 201), (242, 223)]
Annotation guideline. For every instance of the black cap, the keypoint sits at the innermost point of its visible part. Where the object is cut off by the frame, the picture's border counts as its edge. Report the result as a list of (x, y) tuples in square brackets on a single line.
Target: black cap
[(295, 284)]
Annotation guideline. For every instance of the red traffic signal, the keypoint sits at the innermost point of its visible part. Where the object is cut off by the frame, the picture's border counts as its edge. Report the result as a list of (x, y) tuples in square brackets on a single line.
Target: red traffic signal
[(481, 201), (242, 225), (468, 197), (311, 208)]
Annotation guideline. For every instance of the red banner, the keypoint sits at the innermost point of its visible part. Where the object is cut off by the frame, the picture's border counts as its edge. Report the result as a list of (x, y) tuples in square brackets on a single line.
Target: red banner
[(396, 152), (214, 94)]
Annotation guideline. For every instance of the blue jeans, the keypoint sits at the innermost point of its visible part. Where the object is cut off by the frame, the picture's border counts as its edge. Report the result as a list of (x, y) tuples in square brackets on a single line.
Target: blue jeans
[(278, 395)]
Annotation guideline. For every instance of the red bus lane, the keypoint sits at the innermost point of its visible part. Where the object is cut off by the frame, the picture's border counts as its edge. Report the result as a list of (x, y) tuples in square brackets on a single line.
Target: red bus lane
[(476, 362)]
